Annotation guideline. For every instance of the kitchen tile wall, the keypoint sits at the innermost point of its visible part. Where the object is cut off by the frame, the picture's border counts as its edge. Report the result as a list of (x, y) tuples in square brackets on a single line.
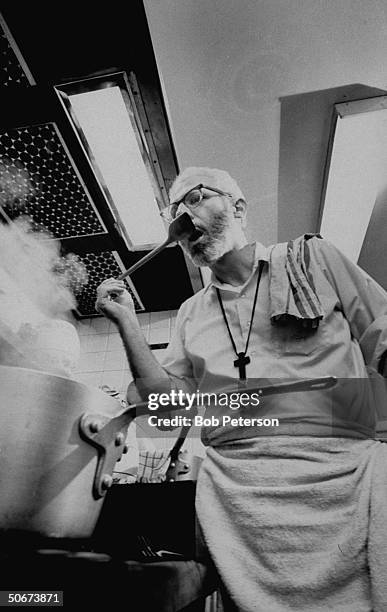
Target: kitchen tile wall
[(103, 360)]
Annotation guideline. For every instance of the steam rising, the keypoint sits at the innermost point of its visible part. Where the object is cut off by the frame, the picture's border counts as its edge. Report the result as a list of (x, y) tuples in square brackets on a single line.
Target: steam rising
[(37, 284), (35, 265), (16, 186)]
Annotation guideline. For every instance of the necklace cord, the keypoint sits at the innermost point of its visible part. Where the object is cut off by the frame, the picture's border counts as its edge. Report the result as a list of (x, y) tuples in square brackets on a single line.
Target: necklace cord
[(252, 312)]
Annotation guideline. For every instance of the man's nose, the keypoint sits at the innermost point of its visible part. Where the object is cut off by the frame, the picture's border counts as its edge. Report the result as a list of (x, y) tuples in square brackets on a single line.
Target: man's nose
[(183, 208)]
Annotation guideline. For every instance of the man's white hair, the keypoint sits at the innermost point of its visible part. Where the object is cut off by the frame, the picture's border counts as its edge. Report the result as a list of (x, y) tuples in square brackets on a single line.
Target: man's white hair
[(212, 177)]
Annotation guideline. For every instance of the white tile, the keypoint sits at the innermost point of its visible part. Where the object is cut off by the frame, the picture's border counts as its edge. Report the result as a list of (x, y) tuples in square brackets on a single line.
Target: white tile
[(143, 318), (96, 343), (158, 335), (113, 379), (173, 319), (92, 379), (91, 362), (83, 327), (114, 360), (100, 325), (84, 343), (126, 379), (114, 342), (160, 319), (145, 331), (99, 361), (86, 363)]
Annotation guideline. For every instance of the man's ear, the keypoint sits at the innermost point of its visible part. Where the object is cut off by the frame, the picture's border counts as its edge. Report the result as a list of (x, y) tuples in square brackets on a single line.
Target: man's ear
[(240, 208)]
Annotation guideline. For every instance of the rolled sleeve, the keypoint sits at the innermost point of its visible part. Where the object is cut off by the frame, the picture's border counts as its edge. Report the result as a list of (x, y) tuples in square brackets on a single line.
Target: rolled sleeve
[(176, 362), (363, 301)]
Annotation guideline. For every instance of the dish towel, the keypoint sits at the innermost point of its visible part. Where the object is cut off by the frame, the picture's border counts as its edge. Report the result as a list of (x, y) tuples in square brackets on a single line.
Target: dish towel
[(291, 286), (152, 465)]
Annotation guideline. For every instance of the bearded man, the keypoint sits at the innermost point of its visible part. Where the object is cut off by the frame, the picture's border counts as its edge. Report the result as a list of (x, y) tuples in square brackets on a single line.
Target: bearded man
[(292, 516)]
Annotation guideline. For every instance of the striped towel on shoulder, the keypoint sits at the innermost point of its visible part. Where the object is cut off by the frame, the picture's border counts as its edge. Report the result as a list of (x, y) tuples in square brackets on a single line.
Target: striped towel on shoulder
[(292, 290)]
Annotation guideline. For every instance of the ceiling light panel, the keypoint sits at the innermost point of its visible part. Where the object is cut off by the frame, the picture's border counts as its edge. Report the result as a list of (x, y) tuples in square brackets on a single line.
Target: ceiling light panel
[(357, 173), (104, 119)]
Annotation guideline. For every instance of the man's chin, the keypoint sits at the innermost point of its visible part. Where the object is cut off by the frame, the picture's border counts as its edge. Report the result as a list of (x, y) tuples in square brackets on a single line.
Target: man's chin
[(201, 260), (201, 255)]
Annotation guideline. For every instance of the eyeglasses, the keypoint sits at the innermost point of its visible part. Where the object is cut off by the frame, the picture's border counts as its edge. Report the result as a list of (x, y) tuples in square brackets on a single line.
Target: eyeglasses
[(192, 199)]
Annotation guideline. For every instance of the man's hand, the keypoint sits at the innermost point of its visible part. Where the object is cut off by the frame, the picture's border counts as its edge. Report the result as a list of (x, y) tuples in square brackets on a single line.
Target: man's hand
[(113, 300)]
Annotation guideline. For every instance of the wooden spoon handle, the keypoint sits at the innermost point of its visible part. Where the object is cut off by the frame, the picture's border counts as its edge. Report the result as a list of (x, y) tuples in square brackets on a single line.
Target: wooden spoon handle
[(144, 259)]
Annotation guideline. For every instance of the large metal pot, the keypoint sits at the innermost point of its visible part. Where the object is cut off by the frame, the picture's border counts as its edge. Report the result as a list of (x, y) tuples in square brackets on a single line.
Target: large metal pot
[(54, 470), (59, 443)]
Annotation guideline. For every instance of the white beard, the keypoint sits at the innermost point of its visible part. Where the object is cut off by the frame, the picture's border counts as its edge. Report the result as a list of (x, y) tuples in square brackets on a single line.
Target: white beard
[(214, 243)]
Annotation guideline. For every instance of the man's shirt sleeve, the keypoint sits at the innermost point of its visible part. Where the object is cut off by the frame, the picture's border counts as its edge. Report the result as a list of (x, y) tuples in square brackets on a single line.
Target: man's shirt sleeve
[(363, 300), (176, 362)]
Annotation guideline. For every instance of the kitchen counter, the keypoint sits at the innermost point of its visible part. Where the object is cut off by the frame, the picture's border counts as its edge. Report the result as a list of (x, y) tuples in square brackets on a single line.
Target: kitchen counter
[(89, 578), (111, 567)]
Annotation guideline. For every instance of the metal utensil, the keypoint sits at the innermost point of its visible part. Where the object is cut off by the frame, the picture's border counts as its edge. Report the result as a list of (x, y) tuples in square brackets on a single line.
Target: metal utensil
[(181, 227), (312, 384), (107, 434), (148, 551)]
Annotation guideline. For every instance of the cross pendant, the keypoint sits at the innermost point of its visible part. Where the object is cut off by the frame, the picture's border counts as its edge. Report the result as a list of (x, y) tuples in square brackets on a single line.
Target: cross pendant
[(241, 363)]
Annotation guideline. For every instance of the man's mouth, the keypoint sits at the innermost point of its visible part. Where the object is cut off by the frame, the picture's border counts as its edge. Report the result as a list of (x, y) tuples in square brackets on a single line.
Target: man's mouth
[(195, 236)]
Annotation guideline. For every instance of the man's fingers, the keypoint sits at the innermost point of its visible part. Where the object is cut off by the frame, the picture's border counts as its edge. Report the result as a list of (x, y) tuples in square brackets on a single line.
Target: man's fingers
[(111, 286), (112, 282), (113, 299), (100, 303)]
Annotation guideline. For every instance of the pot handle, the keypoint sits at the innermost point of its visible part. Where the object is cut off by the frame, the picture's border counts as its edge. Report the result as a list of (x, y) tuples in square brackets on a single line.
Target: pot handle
[(108, 434)]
